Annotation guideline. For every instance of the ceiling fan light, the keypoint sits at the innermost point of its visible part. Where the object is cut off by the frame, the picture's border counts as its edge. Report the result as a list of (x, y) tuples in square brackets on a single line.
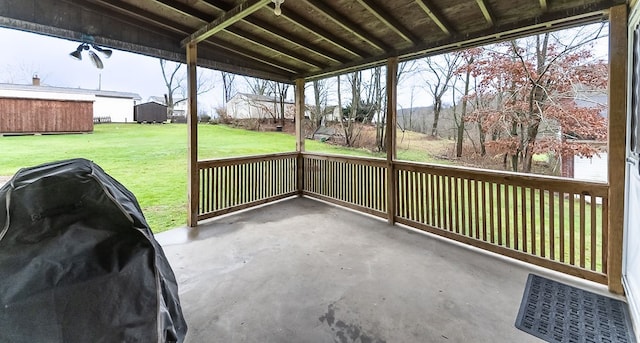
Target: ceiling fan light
[(77, 54), (96, 60), (277, 10), (106, 52)]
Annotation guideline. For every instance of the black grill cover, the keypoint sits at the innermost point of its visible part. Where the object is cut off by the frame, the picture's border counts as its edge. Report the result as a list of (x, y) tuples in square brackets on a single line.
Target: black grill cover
[(78, 262)]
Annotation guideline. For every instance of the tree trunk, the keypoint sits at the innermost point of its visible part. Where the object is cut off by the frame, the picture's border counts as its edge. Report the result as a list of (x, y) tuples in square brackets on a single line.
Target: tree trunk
[(464, 112), (437, 105)]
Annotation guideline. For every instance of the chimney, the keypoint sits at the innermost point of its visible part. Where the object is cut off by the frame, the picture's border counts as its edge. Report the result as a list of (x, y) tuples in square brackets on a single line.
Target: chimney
[(36, 80)]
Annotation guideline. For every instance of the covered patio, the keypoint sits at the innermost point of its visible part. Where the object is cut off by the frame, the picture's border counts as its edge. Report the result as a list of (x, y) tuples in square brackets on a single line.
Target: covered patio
[(301, 270), (281, 273)]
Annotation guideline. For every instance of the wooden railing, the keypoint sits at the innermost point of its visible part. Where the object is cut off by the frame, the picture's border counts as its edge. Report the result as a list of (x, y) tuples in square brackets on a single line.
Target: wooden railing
[(233, 184), (355, 182), (552, 222)]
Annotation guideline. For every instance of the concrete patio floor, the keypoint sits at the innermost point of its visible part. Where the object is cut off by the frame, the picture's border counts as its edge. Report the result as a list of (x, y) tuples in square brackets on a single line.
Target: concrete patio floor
[(301, 270)]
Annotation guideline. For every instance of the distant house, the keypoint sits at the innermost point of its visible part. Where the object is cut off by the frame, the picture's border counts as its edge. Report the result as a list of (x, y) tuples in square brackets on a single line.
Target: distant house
[(118, 106), (331, 114), (593, 168), (150, 112), (252, 106)]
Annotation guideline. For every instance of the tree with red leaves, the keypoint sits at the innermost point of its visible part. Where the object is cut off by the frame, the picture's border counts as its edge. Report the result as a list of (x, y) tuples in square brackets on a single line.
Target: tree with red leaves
[(524, 83)]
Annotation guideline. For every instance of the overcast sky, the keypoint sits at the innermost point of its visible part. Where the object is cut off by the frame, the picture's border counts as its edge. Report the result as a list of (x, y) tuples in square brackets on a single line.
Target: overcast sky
[(25, 54)]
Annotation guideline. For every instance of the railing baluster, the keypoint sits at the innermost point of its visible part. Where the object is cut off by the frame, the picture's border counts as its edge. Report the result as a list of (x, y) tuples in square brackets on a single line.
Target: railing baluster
[(583, 246), (552, 226), (572, 232), (491, 214), (593, 235), (516, 226), (506, 216), (532, 201), (499, 211), (543, 238), (561, 204)]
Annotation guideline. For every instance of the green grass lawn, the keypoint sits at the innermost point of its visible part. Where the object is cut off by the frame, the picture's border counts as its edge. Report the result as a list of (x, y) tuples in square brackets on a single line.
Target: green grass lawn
[(150, 160)]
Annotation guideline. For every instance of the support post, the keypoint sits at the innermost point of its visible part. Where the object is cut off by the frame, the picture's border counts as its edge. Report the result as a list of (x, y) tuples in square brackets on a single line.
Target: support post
[(299, 95), (192, 131), (617, 138), (390, 139)]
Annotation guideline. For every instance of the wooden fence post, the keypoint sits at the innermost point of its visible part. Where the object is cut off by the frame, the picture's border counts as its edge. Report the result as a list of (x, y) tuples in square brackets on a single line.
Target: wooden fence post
[(299, 95), (192, 131), (617, 139), (390, 143)]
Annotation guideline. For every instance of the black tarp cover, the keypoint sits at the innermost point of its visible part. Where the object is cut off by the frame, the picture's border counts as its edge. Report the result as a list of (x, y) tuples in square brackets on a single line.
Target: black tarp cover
[(78, 262)]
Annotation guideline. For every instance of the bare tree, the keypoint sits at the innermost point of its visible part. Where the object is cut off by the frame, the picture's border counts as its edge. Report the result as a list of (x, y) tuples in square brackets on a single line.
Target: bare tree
[(318, 112), (228, 84), (175, 82), (280, 93), (258, 86), (172, 80), (442, 69)]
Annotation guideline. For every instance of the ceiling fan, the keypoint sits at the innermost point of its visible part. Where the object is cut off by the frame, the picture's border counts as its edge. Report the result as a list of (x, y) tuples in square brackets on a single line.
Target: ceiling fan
[(90, 47)]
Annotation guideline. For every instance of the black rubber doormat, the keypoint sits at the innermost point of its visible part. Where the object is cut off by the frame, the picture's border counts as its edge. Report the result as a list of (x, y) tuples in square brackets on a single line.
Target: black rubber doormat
[(559, 313)]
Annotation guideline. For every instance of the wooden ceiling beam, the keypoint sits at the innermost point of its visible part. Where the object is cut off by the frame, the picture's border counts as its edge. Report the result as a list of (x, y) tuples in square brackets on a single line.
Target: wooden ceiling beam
[(543, 5), (227, 19), (437, 18), (264, 44), (322, 33), (311, 28), (127, 11), (174, 5), (486, 11), (130, 10), (186, 9), (390, 21), (348, 25), (281, 34)]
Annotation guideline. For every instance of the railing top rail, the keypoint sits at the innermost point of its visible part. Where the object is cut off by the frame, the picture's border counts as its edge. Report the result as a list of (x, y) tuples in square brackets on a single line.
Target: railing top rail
[(373, 161), (511, 178), (227, 161)]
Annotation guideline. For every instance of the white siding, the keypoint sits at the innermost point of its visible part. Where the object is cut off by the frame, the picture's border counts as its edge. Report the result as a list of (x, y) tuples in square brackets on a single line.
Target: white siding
[(592, 169), (242, 107), (119, 109)]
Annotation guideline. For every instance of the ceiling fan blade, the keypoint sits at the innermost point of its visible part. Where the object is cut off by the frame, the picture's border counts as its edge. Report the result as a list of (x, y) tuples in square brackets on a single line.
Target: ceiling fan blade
[(96, 60)]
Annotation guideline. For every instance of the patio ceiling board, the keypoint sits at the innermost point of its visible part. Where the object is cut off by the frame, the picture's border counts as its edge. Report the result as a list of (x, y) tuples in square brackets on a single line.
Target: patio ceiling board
[(311, 39), (435, 16), (486, 11), (257, 27), (392, 23), (210, 50)]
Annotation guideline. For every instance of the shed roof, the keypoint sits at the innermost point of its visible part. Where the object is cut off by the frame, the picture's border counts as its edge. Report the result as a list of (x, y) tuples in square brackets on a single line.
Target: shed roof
[(310, 39), (37, 91)]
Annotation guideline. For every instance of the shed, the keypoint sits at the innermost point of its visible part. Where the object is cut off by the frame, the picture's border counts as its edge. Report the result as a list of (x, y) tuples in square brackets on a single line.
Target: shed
[(27, 109), (150, 112)]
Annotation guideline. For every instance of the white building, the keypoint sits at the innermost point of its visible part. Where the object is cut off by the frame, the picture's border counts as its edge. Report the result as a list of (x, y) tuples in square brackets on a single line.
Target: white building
[(252, 106), (118, 106)]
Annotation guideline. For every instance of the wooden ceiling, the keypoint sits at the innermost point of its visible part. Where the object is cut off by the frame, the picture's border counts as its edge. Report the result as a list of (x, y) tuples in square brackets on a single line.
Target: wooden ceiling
[(310, 39)]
